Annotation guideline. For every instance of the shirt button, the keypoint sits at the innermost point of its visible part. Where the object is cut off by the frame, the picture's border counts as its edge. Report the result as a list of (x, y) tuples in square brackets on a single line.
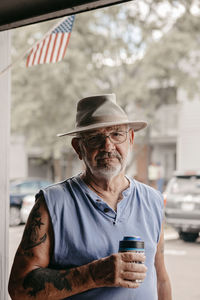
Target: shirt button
[(106, 209)]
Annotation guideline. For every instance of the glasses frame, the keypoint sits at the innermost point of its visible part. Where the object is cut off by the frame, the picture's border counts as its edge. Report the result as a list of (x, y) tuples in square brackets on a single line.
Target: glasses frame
[(85, 139)]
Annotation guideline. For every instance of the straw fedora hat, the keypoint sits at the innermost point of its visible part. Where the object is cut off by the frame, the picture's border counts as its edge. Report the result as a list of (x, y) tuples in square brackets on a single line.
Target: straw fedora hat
[(101, 111)]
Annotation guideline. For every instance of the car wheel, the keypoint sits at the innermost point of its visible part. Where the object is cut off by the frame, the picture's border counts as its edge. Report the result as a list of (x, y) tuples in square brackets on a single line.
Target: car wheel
[(14, 216), (188, 236)]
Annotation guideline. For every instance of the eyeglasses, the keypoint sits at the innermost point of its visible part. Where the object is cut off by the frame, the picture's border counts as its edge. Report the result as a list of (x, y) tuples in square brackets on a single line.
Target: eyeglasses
[(95, 141)]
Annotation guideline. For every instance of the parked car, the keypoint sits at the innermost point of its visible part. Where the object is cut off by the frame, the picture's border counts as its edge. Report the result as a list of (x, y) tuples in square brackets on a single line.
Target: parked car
[(20, 189), (182, 205), (27, 204)]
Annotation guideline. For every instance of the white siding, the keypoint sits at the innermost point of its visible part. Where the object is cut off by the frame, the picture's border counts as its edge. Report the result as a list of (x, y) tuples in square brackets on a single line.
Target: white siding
[(165, 122), (188, 142)]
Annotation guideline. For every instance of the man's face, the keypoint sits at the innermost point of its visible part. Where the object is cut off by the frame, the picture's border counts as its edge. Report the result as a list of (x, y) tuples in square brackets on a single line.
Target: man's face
[(105, 151)]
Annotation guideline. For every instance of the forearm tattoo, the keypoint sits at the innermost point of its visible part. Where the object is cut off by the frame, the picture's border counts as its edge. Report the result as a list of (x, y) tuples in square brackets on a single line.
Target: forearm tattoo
[(35, 281), (31, 237)]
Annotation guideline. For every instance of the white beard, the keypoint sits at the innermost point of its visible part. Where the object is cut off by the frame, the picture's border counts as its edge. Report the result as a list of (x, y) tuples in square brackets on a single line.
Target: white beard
[(106, 171)]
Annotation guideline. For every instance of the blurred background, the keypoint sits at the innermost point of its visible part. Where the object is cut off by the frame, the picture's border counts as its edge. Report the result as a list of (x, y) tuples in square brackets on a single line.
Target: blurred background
[(147, 52)]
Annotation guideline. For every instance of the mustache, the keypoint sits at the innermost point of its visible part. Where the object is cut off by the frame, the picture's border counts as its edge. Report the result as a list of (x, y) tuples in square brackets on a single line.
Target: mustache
[(104, 155)]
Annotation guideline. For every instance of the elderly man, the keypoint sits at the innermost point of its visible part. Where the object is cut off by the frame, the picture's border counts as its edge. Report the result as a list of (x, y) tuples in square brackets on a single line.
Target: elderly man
[(69, 249)]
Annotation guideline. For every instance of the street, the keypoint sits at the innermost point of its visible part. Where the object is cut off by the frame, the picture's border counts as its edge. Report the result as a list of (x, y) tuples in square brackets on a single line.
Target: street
[(182, 262), (183, 265)]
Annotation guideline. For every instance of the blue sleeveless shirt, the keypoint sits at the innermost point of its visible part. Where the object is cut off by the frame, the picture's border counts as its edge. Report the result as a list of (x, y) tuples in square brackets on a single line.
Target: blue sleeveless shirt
[(86, 229)]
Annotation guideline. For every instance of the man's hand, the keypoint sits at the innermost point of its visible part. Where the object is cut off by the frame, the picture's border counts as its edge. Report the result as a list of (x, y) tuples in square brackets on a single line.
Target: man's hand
[(119, 270)]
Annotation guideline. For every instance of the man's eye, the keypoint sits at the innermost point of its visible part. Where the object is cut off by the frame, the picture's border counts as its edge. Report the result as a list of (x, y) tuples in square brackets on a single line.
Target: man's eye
[(117, 133)]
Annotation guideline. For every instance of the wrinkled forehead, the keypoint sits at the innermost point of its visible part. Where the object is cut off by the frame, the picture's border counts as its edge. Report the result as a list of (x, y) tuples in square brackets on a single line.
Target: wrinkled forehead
[(106, 130)]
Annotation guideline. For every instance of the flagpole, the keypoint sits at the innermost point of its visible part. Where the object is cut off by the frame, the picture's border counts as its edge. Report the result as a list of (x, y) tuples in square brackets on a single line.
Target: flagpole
[(29, 49)]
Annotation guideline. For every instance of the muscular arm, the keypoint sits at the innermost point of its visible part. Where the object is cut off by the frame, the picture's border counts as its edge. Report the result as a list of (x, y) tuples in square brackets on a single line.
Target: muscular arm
[(163, 282), (31, 277)]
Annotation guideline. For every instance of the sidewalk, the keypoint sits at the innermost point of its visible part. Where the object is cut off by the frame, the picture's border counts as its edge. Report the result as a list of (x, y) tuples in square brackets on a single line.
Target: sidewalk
[(170, 233)]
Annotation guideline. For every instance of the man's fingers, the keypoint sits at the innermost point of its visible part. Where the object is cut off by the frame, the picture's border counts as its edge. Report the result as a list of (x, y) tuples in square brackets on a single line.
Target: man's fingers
[(129, 284), (134, 276), (134, 267), (132, 257)]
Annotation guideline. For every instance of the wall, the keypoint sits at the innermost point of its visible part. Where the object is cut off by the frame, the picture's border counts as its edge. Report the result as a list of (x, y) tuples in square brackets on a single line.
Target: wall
[(188, 144), (18, 158)]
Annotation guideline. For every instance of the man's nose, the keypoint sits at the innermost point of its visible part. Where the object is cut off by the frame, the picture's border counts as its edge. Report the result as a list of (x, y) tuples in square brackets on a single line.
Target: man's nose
[(107, 144)]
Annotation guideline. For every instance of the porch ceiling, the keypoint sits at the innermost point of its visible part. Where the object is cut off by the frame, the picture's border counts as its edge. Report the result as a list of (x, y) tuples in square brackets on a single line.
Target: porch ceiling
[(15, 13)]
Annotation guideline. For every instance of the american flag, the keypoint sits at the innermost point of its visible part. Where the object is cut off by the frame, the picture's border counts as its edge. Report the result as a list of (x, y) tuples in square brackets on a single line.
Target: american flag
[(52, 47)]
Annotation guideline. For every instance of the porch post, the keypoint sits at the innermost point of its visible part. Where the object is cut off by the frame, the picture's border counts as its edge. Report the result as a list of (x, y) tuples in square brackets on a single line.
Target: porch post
[(4, 161)]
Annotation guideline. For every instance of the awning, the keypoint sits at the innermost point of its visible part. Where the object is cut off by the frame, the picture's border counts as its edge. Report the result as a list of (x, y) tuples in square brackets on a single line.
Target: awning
[(15, 13)]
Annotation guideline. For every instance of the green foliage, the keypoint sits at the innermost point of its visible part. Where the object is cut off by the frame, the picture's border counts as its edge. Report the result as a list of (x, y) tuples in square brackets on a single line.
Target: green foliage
[(133, 49)]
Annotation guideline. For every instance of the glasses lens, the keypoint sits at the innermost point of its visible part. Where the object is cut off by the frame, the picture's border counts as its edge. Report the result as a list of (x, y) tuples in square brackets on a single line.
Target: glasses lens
[(95, 141), (118, 136)]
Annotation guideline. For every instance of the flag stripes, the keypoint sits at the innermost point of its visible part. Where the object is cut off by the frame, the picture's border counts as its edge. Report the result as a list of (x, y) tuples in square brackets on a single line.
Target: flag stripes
[(53, 47)]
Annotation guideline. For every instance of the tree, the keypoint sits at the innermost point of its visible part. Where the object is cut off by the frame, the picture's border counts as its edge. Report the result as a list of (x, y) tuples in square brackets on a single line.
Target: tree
[(137, 50), (44, 96), (170, 61)]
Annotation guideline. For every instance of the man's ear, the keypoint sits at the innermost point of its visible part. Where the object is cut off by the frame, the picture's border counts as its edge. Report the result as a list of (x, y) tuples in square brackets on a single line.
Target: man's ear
[(131, 136), (75, 144)]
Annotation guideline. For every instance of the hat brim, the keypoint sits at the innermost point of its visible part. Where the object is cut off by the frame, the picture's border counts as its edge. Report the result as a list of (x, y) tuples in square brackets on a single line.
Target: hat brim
[(136, 126)]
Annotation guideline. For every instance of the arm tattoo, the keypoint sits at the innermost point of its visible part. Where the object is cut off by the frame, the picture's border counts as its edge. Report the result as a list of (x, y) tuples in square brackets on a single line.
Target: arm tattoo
[(36, 279), (31, 237)]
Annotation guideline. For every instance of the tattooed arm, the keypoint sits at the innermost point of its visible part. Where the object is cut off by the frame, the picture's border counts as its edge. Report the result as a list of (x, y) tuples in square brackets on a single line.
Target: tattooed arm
[(163, 282), (31, 278)]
